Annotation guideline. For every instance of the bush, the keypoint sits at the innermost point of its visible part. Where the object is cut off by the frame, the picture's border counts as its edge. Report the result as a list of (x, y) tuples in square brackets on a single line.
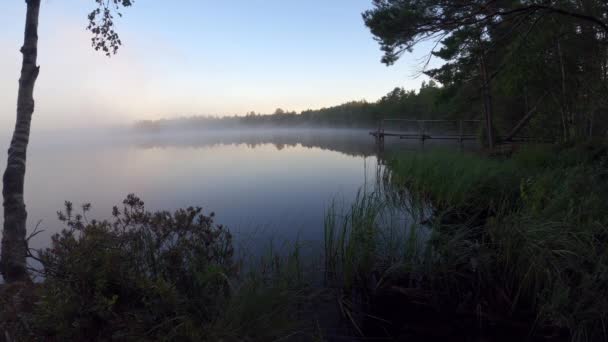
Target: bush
[(143, 276)]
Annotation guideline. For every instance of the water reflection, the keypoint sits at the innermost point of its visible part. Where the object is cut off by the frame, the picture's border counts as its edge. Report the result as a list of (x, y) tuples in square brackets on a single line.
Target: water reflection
[(350, 142), (261, 184), (353, 142)]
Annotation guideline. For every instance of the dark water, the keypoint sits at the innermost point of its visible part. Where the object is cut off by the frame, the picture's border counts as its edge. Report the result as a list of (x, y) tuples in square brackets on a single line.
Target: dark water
[(260, 184)]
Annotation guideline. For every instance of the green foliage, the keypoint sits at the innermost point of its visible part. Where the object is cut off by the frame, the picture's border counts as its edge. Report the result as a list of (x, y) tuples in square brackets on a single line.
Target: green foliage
[(527, 54), (350, 241), (144, 275), (364, 244), (506, 240), (453, 180), (155, 276), (522, 234), (270, 303)]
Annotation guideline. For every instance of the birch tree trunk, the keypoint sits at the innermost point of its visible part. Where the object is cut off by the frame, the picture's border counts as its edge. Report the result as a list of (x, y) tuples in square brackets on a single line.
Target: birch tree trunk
[(14, 245)]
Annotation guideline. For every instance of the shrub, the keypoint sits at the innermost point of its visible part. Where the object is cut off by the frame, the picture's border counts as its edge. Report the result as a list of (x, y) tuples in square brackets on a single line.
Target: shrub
[(142, 276)]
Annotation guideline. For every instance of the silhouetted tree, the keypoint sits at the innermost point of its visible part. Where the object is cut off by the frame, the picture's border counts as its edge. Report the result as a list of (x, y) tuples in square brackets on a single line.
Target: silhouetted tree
[(535, 40), (14, 244)]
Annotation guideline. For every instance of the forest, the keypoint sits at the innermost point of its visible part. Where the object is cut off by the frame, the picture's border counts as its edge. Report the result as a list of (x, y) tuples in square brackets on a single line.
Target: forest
[(533, 70), (498, 243), (398, 103), (541, 65)]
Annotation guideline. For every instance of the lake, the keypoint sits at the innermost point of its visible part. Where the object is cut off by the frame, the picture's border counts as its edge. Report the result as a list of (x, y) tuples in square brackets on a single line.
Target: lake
[(261, 184)]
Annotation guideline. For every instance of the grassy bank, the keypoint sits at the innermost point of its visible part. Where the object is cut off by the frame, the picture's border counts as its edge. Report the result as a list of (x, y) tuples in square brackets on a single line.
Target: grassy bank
[(455, 246), (497, 247)]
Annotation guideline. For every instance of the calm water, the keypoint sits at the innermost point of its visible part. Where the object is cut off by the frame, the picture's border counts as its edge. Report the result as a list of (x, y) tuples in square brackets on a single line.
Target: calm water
[(260, 184)]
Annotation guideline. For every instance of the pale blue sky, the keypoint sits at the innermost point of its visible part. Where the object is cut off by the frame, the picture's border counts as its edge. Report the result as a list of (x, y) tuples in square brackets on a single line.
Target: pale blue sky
[(187, 57)]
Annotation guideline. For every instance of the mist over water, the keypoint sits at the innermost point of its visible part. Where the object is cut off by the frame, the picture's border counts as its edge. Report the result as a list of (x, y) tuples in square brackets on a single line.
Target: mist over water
[(261, 183), (267, 183)]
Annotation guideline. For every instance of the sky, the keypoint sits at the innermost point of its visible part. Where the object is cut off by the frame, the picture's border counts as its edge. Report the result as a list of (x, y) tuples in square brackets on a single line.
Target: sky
[(198, 57)]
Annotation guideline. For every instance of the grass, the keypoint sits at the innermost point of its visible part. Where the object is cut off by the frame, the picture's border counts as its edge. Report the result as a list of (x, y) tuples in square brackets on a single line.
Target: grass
[(157, 276), (367, 238), (269, 303), (513, 241), (454, 243), (366, 244), (449, 179)]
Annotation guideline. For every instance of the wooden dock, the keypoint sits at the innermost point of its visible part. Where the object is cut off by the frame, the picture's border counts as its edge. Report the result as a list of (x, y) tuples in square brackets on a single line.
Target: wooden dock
[(458, 130), (427, 129)]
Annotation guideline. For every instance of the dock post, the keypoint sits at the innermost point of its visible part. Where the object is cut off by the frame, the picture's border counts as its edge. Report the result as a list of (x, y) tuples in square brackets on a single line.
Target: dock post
[(423, 131), (380, 135), (461, 128)]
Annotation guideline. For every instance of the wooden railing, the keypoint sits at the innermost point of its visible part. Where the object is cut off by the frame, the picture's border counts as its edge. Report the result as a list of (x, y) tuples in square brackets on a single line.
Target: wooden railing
[(428, 129)]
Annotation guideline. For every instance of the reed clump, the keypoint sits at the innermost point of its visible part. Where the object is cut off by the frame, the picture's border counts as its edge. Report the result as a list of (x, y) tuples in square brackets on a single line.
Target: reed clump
[(512, 242)]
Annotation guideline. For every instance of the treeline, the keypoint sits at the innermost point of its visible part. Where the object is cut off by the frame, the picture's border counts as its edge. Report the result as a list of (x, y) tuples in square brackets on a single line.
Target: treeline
[(399, 103), (529, 68), (538, 65)]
